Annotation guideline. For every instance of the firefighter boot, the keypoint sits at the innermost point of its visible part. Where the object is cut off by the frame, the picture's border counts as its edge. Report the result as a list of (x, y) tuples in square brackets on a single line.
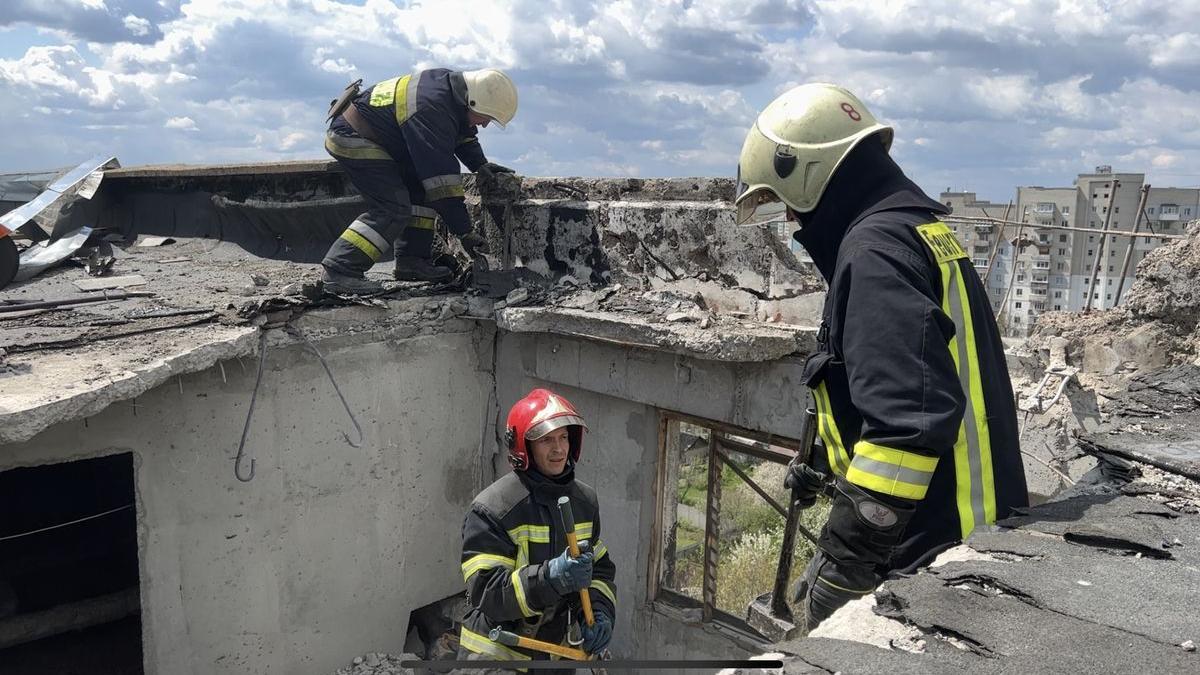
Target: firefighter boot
[(336, 283), (412, 268)]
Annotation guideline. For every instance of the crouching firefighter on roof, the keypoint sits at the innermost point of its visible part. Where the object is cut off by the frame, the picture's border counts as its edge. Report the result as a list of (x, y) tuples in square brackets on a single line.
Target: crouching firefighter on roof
[(915, 411), (519, 572), (400, 143)]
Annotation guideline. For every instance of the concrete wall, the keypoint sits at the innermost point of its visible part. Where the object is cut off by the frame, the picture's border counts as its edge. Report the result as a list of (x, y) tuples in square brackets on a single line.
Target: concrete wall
[(326, 552), (620, 391)]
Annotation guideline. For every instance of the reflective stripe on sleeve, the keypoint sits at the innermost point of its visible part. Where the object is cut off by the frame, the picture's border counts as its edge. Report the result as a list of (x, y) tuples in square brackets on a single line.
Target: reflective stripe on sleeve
[(839, 459), (519, 591), (605, 590), (484, 561), (891, 471)]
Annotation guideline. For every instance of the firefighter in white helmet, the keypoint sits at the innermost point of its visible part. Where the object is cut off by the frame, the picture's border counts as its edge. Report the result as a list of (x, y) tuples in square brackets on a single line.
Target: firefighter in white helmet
[(915, 411), (400, 142)]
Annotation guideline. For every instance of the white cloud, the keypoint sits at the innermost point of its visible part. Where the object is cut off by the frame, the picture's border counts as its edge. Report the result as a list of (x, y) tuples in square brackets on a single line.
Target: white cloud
[(983, 94), (184, 123), (136, 25)]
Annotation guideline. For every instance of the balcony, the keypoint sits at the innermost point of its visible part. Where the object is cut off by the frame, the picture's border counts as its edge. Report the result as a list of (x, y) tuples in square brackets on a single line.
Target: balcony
[(1168, 217), (1040, 281)]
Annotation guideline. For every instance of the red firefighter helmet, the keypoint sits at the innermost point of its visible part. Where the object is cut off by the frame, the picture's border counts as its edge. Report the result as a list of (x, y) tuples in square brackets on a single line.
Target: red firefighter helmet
[(539, 413)]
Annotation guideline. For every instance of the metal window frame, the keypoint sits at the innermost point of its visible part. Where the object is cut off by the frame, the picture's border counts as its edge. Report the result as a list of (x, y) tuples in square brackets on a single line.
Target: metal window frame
[(723, 438)]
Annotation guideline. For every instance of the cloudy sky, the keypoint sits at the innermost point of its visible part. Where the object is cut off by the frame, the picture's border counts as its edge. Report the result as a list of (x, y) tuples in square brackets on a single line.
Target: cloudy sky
[(984, 96)]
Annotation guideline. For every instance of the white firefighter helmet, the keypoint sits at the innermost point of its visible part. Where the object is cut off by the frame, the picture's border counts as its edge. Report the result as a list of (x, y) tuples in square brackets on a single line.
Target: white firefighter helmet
[(794, 147), (490, 92)]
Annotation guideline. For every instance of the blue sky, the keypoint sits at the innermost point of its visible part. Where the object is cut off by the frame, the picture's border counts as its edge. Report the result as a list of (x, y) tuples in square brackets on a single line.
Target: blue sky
[(984, 96)]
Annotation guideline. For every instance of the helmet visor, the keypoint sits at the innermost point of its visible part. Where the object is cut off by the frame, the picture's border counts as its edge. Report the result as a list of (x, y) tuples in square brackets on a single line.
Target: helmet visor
[(542, 428), (760, 205)]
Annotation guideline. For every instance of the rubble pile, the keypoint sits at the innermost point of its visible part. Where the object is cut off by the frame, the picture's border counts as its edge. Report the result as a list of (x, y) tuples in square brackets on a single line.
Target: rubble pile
[(1157, 325), (376, 663)]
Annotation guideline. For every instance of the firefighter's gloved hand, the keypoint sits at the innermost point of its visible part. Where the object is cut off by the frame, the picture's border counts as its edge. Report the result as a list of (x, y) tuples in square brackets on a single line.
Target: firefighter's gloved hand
[(473, 243), (863, 530), (827, 585), (569, 575), (489, 170), (597, 635), (805, 483)]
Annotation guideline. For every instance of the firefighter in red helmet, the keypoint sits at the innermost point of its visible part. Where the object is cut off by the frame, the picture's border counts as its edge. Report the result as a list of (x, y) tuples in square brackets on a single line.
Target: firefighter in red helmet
[(519, 574)]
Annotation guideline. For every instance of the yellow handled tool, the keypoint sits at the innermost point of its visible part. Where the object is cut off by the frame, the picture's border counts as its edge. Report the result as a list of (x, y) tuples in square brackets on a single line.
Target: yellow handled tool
[(513, 640), (568, 522)]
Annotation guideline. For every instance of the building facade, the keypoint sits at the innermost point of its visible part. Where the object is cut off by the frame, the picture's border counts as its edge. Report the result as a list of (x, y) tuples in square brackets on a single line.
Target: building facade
[(1041, 267)]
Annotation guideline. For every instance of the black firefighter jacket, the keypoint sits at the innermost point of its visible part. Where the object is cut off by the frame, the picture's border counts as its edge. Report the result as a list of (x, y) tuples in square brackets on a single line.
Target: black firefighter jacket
[(912, 390), (509, 535), (421, 120)]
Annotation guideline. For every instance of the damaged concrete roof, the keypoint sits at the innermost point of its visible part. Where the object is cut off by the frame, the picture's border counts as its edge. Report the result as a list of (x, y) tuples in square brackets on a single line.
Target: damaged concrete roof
[(1096, 583), (208, 267)]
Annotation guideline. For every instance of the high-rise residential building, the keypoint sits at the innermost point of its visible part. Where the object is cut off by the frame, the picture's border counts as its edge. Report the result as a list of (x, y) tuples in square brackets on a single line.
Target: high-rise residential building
[(1040, 268), (980, 240)]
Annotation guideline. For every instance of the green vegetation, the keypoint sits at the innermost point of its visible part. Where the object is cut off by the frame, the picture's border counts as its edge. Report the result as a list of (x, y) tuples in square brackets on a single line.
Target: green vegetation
[(751, 533)]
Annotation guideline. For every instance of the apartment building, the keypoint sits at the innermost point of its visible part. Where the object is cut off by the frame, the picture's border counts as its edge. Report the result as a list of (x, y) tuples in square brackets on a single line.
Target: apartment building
[(979, 240), (1051, 269)]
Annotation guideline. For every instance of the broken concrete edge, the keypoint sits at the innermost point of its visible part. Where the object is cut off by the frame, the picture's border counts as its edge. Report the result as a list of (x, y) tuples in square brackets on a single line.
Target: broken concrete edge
[(878, 620), (208, 344), (18, 425), (751, 344)]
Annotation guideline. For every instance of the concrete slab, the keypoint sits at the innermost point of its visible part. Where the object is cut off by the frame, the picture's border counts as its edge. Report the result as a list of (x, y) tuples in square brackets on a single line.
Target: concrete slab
[(747, 342)]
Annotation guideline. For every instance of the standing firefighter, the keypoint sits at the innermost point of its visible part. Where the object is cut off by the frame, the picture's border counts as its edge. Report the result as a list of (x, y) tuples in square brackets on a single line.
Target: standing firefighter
[(914, 406), (400, 143), (519, 572)]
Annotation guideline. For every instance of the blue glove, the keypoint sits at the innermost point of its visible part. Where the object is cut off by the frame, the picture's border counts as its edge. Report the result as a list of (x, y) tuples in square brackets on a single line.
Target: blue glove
[(569, 575), (597, 635)]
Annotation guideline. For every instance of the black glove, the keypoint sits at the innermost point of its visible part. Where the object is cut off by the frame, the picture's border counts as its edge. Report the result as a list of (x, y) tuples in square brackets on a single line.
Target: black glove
[(473, 243), (569, 575), (597, 635), (827, 585), (489, 170), (857, 542), (805, 482)]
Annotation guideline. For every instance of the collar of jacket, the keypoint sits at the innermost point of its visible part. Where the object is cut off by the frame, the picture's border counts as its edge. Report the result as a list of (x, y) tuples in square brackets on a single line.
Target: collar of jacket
[(544, 489), (458, 87), (867, 182)]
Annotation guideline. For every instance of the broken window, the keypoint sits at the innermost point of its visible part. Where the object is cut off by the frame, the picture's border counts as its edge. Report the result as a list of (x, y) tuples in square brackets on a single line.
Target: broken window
[(722, 507), (69, 578)]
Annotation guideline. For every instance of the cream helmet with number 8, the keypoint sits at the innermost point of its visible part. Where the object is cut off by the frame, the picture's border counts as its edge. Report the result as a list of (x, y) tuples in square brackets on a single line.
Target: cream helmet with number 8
[(490, 92), (794, 147)]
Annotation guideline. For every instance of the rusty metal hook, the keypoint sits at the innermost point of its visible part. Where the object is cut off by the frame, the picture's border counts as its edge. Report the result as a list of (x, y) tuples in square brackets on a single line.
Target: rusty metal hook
[(237, 463), (295, 332)]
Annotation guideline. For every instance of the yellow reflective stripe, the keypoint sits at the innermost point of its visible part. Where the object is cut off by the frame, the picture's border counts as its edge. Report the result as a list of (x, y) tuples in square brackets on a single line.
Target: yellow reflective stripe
[(843, 588), (445, 192), (983, 490), (467, 139), (485, 561), (583, 530), (839, 460), (890, 470), (363, 244), (481, 645), (370, 234), (363, 151), (519, 591), (401, 96), (975, 493), (384, 93), (538, 534), (601, 549), (419, 223), (423, 211), (605, 590)]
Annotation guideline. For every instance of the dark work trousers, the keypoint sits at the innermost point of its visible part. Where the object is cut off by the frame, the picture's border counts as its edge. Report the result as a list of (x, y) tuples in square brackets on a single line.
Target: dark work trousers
[(391, 216)]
